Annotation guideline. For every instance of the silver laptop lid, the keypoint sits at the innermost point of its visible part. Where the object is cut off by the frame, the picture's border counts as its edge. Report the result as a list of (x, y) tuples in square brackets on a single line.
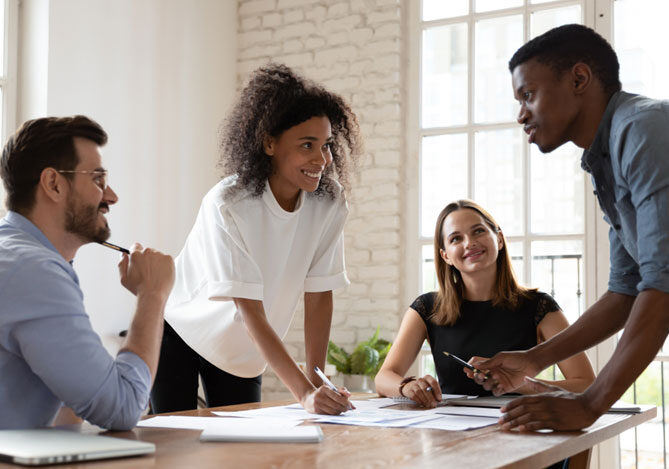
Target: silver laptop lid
[(51, 446)]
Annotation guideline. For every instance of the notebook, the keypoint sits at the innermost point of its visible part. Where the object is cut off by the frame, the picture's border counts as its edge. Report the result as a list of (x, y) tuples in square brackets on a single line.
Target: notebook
[(446, 399), (50, 446), (306, 434)]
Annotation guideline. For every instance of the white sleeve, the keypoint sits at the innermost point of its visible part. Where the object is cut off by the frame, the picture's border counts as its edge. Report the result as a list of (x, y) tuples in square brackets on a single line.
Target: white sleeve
[(231, 272), (328, 270)]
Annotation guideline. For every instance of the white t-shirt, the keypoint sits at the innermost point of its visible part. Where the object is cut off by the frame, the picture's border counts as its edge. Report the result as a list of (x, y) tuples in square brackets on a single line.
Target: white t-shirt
[(243, 246)]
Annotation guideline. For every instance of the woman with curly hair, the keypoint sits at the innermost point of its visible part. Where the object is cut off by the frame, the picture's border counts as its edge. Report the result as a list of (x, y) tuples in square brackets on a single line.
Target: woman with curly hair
[(270, 230), (479, 309)]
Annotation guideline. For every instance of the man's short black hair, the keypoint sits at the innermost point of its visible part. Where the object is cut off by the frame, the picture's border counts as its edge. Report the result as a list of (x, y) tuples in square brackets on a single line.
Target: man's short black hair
[(563, 47), (42, 143)]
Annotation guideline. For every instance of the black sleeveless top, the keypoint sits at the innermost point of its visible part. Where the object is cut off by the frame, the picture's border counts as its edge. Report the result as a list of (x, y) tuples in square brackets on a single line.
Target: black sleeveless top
[(483, 330)]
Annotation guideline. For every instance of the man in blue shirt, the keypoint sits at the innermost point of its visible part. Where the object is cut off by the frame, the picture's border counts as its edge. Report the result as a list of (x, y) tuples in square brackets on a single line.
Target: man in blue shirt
[(567, 83), (57, 196)]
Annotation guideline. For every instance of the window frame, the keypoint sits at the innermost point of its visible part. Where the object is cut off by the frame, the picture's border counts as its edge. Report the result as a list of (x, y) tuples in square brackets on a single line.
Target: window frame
[(596, 14), (8, 82)]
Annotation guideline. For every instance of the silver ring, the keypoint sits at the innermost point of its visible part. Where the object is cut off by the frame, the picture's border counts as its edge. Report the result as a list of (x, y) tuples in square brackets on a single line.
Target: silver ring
[(428, 389)]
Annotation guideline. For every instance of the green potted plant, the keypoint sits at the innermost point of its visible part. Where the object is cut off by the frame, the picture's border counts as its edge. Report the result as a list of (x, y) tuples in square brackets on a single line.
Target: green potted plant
[(360, 367)]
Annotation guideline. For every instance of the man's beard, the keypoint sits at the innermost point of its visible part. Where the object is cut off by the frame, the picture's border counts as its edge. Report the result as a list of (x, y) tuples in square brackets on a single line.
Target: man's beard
[(81, 220)]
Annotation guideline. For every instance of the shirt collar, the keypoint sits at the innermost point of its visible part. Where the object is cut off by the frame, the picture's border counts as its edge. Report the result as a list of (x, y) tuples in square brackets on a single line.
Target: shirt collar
[(19, 221), (270, 200), (600, 144)]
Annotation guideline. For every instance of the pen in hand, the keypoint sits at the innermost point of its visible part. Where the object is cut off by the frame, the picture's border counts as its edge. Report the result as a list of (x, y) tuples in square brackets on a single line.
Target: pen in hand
[(466, 365), (329, 383)]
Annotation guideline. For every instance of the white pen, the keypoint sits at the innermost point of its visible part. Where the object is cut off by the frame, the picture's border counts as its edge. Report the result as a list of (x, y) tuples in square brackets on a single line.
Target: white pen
[(327, 382)]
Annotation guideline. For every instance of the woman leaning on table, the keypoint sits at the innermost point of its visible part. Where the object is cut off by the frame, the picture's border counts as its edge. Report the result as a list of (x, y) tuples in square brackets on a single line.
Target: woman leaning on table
[(479, 310)]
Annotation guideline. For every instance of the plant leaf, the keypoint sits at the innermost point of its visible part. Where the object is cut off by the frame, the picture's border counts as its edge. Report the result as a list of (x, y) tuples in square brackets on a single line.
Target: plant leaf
[(364, 360), (338, 357), (381, 344)]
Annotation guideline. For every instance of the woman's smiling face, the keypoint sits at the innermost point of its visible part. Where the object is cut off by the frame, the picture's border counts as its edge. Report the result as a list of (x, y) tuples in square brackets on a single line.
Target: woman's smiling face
[(299, 157), (470, 244)]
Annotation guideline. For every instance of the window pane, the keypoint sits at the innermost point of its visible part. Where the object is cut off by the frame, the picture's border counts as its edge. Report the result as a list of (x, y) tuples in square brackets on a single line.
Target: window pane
[(2, 38), (542, 21), (642, 447), (443, 176), (557, 269), (429, 282), (557, 191), (444, 81), (517, 259), (496, 41), (498, 177), (438, 9), (640, 37), (487, 5)]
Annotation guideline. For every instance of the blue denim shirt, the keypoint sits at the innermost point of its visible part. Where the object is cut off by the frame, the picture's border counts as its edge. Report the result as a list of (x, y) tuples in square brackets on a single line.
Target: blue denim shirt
[(629, 164), (49, 353)]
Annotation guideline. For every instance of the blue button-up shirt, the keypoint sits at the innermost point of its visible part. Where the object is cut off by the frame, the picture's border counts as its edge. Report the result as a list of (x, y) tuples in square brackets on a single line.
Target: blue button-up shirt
[(49, 353), (629, 164)]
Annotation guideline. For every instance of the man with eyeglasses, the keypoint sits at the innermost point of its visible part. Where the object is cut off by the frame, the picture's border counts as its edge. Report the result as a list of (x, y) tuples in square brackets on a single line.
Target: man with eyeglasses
[(57, 196)]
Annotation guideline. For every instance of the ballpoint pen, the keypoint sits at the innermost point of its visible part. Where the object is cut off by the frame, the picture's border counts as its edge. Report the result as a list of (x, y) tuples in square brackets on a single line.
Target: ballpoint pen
[(115, 247), (465, 364), (328, 383)]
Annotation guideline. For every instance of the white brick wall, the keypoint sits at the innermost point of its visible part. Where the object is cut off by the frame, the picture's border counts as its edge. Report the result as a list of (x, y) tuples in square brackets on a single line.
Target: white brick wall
[(353, 47)]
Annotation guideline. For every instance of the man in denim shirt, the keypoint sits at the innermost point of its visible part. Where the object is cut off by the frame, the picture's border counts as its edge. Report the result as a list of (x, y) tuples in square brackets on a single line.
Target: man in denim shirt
[(57, 196), (566, 81)]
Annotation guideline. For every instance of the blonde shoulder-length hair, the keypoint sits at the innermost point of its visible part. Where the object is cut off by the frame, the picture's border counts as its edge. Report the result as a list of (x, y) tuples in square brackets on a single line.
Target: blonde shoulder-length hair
[(507, 293)]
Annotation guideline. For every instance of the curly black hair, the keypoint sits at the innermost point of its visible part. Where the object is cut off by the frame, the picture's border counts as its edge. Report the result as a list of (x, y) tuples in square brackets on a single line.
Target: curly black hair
[(274, 100)]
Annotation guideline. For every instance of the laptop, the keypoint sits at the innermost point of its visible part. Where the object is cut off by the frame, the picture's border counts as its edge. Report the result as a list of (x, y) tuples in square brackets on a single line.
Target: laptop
[(50, 446)]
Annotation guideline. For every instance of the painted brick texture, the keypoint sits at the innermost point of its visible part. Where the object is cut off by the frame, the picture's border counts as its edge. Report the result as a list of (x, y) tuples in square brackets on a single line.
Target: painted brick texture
[(354, 48)]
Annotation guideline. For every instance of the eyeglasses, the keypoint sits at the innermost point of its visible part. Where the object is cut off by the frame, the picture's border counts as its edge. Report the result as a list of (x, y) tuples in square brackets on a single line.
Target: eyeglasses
[(101, 178)]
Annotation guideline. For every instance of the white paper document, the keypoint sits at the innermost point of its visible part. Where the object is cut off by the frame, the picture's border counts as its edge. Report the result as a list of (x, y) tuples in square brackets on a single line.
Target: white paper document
[(373, 413), (457, 423), (471, 411), (204, 423), (286, 412), (304, 434)]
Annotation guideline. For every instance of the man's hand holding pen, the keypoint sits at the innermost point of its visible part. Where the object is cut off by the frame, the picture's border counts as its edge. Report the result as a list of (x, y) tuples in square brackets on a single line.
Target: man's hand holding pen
[(505, 372)]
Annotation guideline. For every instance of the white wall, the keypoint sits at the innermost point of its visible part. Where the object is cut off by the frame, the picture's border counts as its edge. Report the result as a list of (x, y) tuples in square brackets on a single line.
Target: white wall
[(158, 75), (354, 48)]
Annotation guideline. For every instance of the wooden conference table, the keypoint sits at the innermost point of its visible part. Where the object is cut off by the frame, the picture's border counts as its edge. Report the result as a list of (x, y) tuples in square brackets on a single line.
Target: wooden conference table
[(347, 446)]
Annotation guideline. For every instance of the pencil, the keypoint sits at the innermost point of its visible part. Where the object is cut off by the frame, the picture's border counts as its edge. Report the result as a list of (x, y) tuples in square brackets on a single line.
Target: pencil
[(464, 363), (115, 247)]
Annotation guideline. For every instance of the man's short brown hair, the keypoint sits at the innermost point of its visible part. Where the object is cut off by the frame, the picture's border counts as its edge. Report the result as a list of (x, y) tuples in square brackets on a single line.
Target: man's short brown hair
[(42, 143)]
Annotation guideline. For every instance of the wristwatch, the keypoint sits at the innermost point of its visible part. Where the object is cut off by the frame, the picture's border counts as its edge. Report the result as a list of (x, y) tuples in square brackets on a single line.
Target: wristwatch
[(404, 382)]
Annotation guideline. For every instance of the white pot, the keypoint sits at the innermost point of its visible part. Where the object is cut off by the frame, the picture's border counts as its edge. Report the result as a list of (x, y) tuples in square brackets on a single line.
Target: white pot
[(359, 383)]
